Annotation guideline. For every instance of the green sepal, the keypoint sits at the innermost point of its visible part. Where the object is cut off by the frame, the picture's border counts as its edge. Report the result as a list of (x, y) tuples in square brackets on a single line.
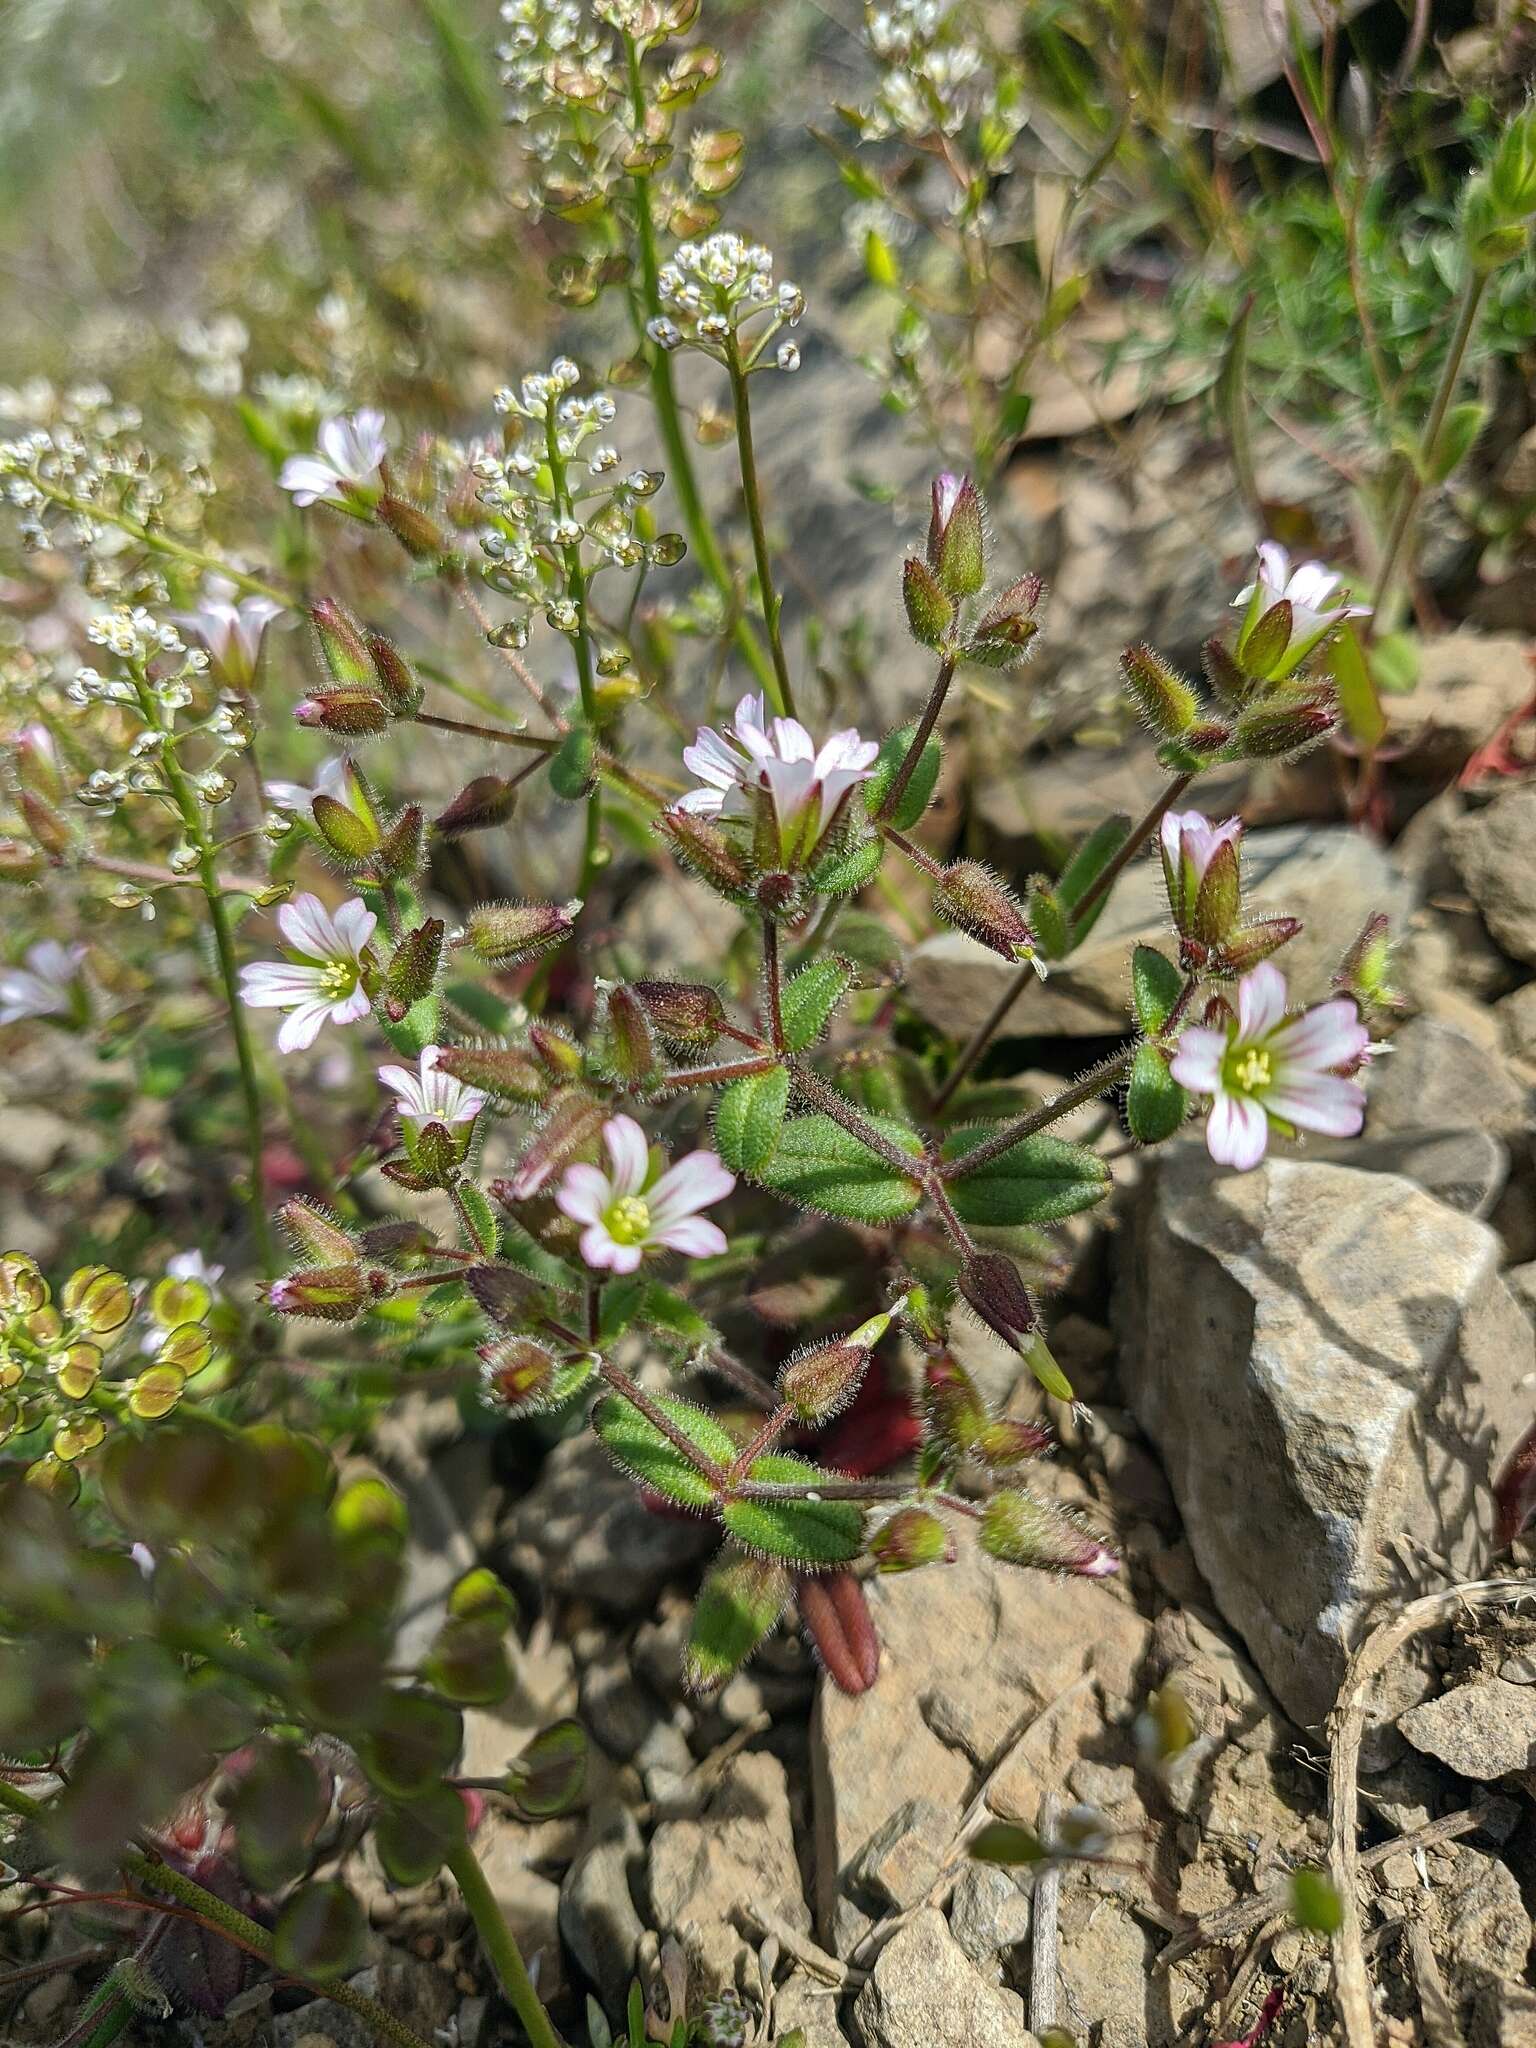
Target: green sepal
[(821, 1166), (1039, 1180), (740, 1600), (415, 1838), (653, 1459), (1041, 1361), (749, 1117), (572, 767), (1155, 1104), (840, 874), (1156, 985), (814, 1534), (1084, 868), (918, 794), (809, 998)]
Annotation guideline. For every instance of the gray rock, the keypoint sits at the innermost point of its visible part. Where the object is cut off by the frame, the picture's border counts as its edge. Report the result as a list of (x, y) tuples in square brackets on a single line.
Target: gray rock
[(1106, 1961), (529, 1901), (988, 1912), (811, 2007), (1327, 875), (598, 1919), (925, 1993), (616, 1710), (739, 1851), (1328, 1360), (903, 1858), (1466, 1169), (1485, 1929), (1436, 1077), (1515, 1015), (582, 1532), (1468, 684), (1483, 1730), (1495, 853)]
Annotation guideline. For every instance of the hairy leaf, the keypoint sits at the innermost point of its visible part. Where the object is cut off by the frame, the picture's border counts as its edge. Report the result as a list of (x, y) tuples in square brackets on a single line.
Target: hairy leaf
[(650, 1457), (810, 997), (821, 1166), (748, 1118), (809, 1533), (1155, 1104), (918, 794), (1155, 987), (1039, 1180)]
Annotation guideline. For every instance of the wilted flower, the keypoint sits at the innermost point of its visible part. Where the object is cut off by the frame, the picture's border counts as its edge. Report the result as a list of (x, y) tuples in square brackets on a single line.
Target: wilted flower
[(806, 788), (323, 977), (1268, 1068), (51, 984), (640, 1204), (344, 469), (429, 1096), (1311, 589), (230, 628)]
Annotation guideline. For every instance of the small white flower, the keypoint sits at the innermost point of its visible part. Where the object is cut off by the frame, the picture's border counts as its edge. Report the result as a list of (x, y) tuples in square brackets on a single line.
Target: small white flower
[(429, 1097), (344, 467), (807, 787), (230, 628), (640, 1204), (322, 979), (1266, 1067), (333, 778), (50, 985), (1312, 591)]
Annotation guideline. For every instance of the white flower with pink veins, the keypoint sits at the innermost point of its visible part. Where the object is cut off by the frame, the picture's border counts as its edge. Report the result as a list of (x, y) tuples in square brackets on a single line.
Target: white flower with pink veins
[(230, 628), (1313, 592), (322, 979), (640, 1204), (1267, 1068), (428, 1096), (345, 464), (806, 785)]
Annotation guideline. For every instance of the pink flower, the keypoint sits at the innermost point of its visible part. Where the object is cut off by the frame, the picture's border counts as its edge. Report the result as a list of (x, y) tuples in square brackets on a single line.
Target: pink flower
[(640, 1204), (805, 787), (1310, 589), (231, 629), (323, 978), (429, 1097), (1200, 868), (344, 469), (1267, 1068)]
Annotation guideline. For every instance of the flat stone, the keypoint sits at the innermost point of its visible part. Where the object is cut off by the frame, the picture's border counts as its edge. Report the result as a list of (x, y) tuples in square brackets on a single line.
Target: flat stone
[(810, 2006), (988, 1912), (903, 1858), (598, 1919), (1437, 1077), (1484, 1730), (1327, 875), (926, 1993), (1494, 849), (583, 1532), (1468, 684), (1328, 1361), (1466, 1169)]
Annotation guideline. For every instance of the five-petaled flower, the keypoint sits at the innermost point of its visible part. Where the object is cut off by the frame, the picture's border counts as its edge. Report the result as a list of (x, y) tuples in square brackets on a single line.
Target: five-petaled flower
[(1313, 592), (1267, 1068), (805, 786), (344, 469), (428, 1096), (323, 978), (641, 1204), (230, 628), (49, 985)]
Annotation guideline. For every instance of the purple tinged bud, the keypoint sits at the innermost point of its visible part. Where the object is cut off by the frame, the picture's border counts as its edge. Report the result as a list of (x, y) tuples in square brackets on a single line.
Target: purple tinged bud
[(45, 825), (354, 714), (37, 763), (508, 933), (957, 546), (973, 899), (572, 1122), (1164, 701), (562, 1057), (1209, 736), (930, 609), (911, 1538), (403, 849), (343, 645), (1242, 952), (519, 1375), (629, 1048), (315, 1231), (417, 531), (1223, 673), (955, 1411), (487, 800), (507, 1071), (329, 1294), (686, 1014), (412, 972), (397, 684), (706, 850), (1018, 1529), (1006, 630), (1271, 730), (991, 1284)]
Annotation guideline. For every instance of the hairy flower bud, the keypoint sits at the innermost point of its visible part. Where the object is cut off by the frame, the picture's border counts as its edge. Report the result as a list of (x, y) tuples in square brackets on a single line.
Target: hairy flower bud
[(957, 544), (343, 645), (352, 713), (329, 1294), (1245, 948), (1268, 731), (1018, 1529), (972, 898), (911, 1538), (628, 1046), (396, 683), (351, 833), (563, 1058), (956, 1413), (1006, 630), (412, 974), (573, 1120), (315, 1231), (1006, 1443), (417, 531), (706, 850), (45, 825), (685, 1014), (929, 606), (1222, 672), (1165, 702), (821, 1380), (1363, 971), (1202, 874), (401, 852), (991, 1284), (485, 801), (509, 933), (518, 1374), (504, 1070)]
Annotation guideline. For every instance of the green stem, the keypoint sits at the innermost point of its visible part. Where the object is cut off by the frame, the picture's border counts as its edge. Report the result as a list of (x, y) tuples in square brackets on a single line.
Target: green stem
[(576, 583), (505, 735), (505, 1956), (783, 695), (197, 558), (1413, 486), (1092, 1084), (925, 725)]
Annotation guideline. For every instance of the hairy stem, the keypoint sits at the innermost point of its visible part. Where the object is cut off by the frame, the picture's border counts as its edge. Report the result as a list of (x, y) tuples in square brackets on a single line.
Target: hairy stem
[(773, 984), (659, 1419), (1092, 1084), (782, 694), (503, 735), (920, 738), (505, 1956), (576, 583)]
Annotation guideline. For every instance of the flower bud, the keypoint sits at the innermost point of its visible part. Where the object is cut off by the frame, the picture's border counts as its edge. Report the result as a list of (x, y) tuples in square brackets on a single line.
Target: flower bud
[(315, 1231), (403, 849), (417, 531), (1242, 952), (509, 933), (820, 1381), (572, 1121), (435, 1150), (911, 1538), (351, 834), (1363, 971), (1262, 646), (957, 546), (1005, 631), (518, 1374), (329, 1294), (397, 1240), (1164, 701), (506, 1070), (19, 864), (562, 1056), (837, 1618), (1222, 672), (343, 645), (629, 1049), (396, 683), (487, 800), (1006, 1443), (991, 1284), (1512, 172), (1019, 1529), (37, 763), (45, 825), (930, 609), (1202, 874), (1270, 730), (685, 1014), (412, 972), (706, 850), (354, 714), (972, 898), (955, 1411)]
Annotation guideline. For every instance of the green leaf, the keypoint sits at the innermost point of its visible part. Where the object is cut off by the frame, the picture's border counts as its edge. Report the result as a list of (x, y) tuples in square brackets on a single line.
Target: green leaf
[(417, 1029), (805, 1532), (414, 1840), (320, 1932), (841, 873), (652, 1458), (1352, 679), (869, 946), (1155, 987), (1039, 1180), (1006, 1842), (748, 1119), (1314, 1902), (1155, 1104), (810, 997), (550, 1776), (668, 1311), (481, 1215), (1463, 423), (740, 1600), (918, 794), (1084, 868), (821, 1166), (1048, 919), (571, 768)]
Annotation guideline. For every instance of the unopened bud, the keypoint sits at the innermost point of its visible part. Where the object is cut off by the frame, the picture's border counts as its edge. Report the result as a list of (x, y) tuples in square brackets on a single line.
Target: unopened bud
[(956, 1413), (403, 849), (1363, 972), (1242, 952), (45, 825), (315, 1231), (354, 714), (1006, 630), (1165, 702), (706, 850), (343, 645), (1018, 1529), (628, 1047), (573, 1120), (957, 544), (329, 1294), (1222, 672), (396, 683), (685, 1014), (820, 1382), (1006, 1443), (929, 606), (1262, 647), (509, 933), (911, 1538), (417, 531), (991, 1285), (1270, 730), (1202, 874), (435, 1150), (351, 834), (562, 1057), (504, 1070), (412, 972), (972, 898), (397, 1240), (518, 1374), (487, 800)]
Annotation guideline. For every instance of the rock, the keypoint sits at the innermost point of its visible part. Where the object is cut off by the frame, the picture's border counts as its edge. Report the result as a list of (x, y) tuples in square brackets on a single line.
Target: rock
[(1483, 1730), (1106, 1964), (902, 1859), (615, 1710), (1494, 849), (739, 1851), (988, 1912), (529, 1902), (1515, 1016), (597, 1909), (582, 1532), (1468, 684), (1013, 1641), (1466, 1169), (1329, 876), (1485, 1929), (1328, 1361), (1436, 1077), (810, 2006), (925, 1993)]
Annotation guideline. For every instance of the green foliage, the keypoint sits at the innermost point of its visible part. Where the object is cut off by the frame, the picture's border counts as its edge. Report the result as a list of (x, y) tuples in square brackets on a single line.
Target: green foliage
[(641, 1448), (809, 999), (819, 1165), (1042, 1179), (1155, 1104), (809, 1533), (749, 1117), (918, 794), (1155, 986)]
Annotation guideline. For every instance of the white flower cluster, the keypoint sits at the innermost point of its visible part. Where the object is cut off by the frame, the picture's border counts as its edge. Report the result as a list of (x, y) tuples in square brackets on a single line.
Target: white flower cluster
[(550, 56), (935, 74), (713, 288)]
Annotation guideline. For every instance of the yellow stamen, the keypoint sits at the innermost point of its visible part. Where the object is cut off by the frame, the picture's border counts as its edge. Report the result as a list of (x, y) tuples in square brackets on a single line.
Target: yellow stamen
[(628, 1221)]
